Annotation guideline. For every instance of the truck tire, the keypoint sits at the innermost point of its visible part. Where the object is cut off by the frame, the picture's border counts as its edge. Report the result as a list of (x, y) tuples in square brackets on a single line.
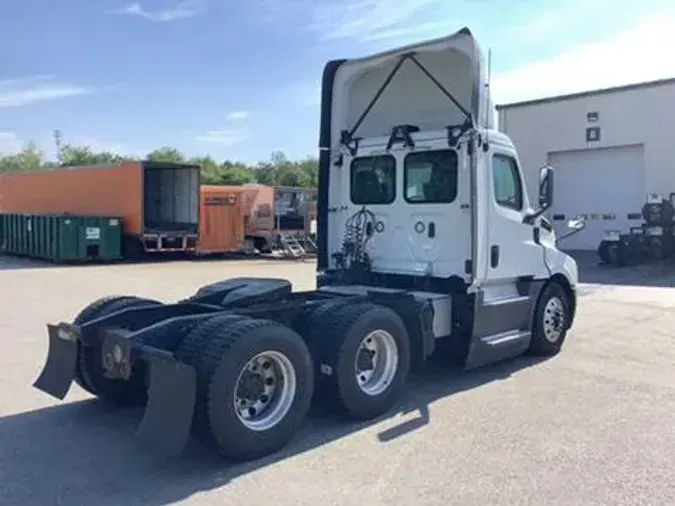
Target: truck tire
[(89, 370), (191, 352), (256, 381), (307, 322), (616, 252), (657, 250), (603, 252), (366, 359), (551, 323)]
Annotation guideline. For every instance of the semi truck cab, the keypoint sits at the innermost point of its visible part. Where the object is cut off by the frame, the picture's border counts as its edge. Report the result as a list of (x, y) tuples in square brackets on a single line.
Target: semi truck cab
[(417, 190), (425, 235)]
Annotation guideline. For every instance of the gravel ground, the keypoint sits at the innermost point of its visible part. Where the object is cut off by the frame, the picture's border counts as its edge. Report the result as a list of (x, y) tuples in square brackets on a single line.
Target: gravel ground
[(592, 426)]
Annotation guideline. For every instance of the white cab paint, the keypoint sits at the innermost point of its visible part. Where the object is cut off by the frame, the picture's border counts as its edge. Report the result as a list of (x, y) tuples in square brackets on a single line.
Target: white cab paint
[(467, 227)]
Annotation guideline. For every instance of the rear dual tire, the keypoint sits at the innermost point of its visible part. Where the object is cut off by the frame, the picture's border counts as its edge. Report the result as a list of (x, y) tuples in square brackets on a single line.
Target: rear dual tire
[(89, 373), (255, 381), (363, 361)]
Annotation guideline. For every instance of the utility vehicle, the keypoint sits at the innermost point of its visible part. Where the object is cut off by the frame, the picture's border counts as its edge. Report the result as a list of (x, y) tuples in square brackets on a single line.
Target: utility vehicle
[(425, 233), (651, 240)]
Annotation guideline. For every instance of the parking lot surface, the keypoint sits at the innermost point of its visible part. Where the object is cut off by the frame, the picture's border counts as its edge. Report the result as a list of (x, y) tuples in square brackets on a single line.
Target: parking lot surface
[(592, 426)]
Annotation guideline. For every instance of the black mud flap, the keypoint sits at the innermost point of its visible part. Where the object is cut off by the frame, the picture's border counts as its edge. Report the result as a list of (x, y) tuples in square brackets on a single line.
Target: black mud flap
[(59, 370), (165, 427)]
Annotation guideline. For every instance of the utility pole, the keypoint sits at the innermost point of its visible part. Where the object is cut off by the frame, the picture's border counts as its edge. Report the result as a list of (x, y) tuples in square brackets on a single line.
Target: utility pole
[(57, 141)]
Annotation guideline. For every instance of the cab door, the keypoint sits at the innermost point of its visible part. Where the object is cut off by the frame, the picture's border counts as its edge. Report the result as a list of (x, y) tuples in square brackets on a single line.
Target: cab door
[(437, 216), (367, 181), (513, 248)]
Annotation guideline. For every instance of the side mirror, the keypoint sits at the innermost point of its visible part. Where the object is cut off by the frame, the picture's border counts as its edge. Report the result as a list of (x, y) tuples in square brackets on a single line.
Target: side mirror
[(545, 188), (575, 225), (545, 194)]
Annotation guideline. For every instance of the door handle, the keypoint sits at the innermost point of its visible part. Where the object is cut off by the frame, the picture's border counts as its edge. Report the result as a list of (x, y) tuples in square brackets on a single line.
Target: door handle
[(431, 230), (494, 256)]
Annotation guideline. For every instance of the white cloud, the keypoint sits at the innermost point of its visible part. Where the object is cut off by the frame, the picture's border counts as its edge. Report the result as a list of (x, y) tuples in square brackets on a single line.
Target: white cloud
[(23, 81), (182, 10), (375, 20), (225, 138), (363, 19), (360, 20), (29, 90), (16, 98), (642, 53), (9, 143), (600, 45), (235, 115)]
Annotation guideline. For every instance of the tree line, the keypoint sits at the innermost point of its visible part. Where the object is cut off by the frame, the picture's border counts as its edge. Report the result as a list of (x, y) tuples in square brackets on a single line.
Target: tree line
[(277, 171)]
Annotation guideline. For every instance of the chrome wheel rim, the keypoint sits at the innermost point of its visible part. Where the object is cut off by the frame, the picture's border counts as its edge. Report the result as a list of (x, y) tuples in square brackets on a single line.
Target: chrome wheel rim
[(554, 319), (376, 362), (265, 390)]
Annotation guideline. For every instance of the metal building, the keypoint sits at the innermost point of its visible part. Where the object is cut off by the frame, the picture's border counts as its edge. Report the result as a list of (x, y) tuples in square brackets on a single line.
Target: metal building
[(609, 147)]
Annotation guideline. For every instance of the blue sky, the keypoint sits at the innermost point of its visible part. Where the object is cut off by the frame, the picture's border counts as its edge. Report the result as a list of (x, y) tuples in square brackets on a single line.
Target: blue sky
[(240, 79)]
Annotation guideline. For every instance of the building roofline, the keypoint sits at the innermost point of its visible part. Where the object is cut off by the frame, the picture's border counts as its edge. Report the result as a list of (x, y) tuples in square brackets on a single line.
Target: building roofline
[(583, 94)]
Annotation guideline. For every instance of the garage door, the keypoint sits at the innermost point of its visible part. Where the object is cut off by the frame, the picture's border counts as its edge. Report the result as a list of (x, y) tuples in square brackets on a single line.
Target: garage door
[(605, 185)]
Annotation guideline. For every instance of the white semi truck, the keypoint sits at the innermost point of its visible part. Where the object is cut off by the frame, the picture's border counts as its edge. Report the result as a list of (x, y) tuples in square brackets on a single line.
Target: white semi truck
[(425, 233)]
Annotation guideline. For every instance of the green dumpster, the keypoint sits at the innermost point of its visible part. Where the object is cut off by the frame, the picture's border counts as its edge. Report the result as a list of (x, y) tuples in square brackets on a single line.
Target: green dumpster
[(62, 238)]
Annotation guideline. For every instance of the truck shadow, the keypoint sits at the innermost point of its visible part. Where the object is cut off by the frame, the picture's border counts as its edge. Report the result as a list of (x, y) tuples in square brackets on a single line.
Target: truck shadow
[(85, 452)]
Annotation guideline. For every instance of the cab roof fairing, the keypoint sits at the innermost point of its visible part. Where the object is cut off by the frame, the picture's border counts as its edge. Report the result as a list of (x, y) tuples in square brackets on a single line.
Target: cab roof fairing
[(411, 97)]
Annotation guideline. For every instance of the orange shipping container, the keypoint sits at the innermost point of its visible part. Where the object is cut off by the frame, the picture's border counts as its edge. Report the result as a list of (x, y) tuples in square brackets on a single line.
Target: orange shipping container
[(221, 227), (157, 202), (257, 210)]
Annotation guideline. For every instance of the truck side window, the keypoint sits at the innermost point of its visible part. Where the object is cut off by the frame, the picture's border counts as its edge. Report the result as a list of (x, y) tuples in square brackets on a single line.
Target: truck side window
[(506, 182), (373, 180), (430, 177)]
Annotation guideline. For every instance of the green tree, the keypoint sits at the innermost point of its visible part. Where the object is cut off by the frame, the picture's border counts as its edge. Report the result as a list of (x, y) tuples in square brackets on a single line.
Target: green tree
[(210, 171), (266, 173), (236, 173), (278, 170), (83, 155), (309, 168), (29, 158), (166, 154)]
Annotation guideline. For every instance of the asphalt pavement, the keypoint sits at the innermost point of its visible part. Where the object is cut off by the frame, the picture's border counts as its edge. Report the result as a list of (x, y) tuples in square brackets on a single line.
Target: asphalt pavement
[(592, 426)]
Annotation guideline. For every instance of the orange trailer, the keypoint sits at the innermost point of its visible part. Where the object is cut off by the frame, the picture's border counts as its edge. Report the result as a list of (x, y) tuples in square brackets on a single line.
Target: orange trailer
[(269, 212), (158, 202), (221, 227)]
